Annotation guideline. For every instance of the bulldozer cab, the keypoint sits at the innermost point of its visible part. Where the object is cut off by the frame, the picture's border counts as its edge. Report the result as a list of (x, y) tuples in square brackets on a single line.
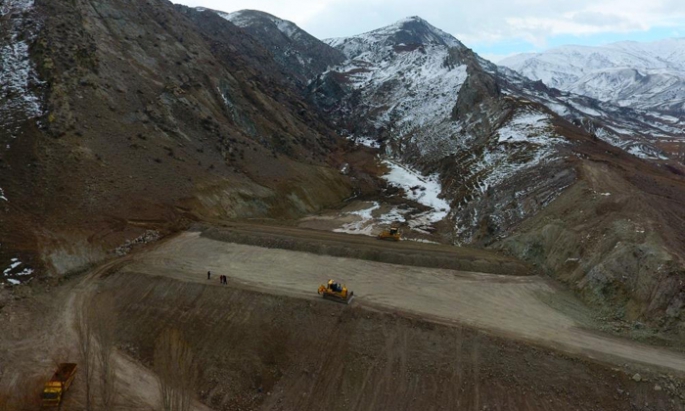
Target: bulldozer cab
[(394, 231), (333, 286)]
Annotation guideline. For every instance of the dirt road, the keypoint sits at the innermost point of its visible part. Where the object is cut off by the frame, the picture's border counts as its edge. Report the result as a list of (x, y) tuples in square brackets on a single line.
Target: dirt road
[(40, 333), (506, 305)]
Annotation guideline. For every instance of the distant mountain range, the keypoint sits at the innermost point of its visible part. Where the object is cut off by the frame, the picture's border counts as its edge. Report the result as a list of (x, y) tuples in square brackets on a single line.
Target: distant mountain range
[(647, 76)]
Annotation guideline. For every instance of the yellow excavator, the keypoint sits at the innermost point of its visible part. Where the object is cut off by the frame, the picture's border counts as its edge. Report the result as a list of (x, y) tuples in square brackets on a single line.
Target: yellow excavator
[(393, 234), (336, 291)]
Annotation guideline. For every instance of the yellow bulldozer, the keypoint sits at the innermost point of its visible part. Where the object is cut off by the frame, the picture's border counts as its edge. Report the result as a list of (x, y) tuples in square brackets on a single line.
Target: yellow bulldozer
[(336, 291), (393, 234)]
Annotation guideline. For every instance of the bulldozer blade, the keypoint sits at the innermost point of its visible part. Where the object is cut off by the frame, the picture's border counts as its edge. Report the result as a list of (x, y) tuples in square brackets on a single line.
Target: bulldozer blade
[(339, 299)]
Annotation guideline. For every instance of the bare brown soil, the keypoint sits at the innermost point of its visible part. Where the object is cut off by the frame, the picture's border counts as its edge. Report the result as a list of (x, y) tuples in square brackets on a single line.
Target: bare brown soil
[(512, 306), (369, 248), (415, 338), (272, 352)]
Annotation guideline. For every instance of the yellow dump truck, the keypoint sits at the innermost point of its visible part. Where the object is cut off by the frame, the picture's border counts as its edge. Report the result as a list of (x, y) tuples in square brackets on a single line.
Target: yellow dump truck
[(58, 385)]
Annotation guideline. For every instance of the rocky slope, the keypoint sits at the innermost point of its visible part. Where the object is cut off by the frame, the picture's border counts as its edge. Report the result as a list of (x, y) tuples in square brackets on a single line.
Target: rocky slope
[(125, 117), (512, 158), (646, 76), (301, 55), (120, 117)]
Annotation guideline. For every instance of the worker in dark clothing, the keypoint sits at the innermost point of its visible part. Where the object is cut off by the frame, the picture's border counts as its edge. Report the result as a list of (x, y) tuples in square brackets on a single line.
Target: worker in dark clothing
[(209, 275)]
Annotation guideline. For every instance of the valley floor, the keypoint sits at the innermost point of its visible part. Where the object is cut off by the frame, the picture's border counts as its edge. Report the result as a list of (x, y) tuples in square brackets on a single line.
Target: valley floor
[(416, 337), (528, 308)]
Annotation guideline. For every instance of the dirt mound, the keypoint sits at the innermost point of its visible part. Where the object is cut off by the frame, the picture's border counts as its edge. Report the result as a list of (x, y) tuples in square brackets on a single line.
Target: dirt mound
[(272, 352), (368, 248), (616, 237)]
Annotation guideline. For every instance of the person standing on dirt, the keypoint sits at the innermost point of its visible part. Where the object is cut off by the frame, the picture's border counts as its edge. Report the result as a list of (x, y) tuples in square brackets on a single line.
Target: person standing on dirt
[(209, 275)]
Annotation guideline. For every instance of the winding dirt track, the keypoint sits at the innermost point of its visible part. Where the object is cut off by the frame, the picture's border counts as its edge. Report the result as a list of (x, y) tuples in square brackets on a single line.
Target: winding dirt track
[(505, 305), (46, 336)]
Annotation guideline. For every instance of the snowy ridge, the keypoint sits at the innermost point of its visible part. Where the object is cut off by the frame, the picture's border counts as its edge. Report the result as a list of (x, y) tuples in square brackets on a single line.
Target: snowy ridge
[(648, 76), (421, 87), (244, 18), (408, 88), (515, 157), (624, 128), (18, 99), (402, 74), (408, 78), (531, 127), (406, 32)]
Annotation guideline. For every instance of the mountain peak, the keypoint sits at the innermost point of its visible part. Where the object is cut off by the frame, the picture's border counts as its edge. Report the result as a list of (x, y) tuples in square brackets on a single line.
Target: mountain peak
[(416, 30), (413, 18), (410, 31), (245, 18)]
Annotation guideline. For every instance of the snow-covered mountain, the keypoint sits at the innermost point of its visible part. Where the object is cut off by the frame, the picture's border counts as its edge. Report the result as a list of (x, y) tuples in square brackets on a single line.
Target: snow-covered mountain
[(403, 76), (301, 55), (432, 103), (646, 76), (428, 100)]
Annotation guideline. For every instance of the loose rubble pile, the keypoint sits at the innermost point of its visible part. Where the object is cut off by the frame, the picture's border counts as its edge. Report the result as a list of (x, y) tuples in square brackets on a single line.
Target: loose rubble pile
[(149, 237)]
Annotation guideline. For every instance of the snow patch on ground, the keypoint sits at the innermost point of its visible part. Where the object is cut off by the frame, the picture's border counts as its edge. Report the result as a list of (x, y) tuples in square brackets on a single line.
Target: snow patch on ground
[(396, 215), (11, 271), (529, 127), (11, 267), (364, 225), (425, 190), (367, 224), (645, 152), (2, 195), (365, 141)]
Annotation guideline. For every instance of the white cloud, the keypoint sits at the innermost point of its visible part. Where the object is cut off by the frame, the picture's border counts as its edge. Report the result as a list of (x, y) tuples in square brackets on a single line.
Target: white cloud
[(474, 22)]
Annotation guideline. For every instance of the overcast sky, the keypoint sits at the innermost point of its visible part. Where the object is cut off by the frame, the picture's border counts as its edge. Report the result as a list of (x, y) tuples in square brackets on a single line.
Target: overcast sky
[(493, 28)]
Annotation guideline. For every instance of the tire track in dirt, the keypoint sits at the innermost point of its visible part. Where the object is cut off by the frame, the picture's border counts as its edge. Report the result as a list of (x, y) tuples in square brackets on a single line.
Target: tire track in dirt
[(52, 339), (506, 305)]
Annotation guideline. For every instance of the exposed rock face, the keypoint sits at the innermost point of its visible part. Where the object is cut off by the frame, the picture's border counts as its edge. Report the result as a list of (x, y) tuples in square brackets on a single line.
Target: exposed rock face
[(480, 87), (299, 54), (436, 105), (149, 116)]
